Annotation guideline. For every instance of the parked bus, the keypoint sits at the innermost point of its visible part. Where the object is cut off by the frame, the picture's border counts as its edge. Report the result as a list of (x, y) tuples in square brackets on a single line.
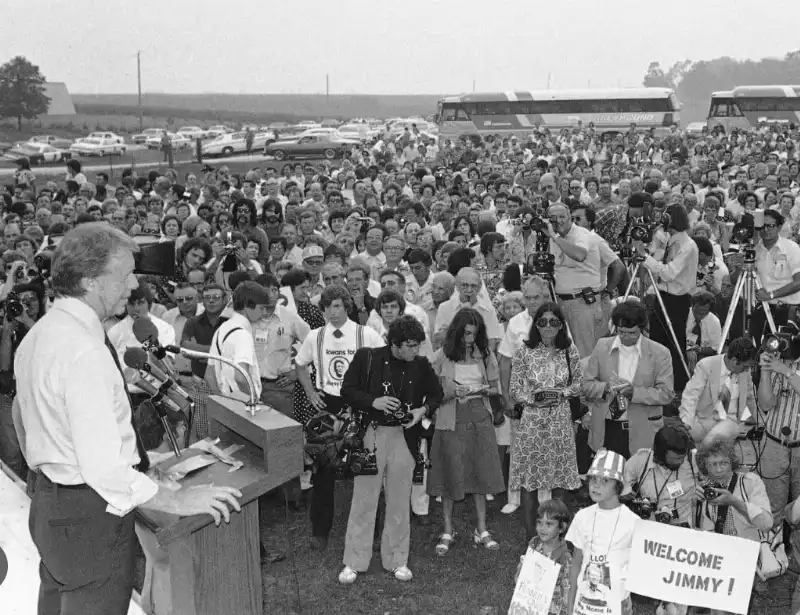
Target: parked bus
[(747, 106), (521, 112)]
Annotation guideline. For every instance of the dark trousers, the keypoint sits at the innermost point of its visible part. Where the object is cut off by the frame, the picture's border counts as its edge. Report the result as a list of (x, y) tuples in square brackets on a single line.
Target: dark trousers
[(87, 554), (617, 438), (677, 307), (324, 481)]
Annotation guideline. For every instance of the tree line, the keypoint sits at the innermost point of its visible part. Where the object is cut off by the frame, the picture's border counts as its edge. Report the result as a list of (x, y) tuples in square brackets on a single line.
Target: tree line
[(694, 82)]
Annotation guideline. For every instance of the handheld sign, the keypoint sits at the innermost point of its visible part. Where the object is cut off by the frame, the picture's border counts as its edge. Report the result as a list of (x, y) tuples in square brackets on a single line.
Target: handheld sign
[(535, 586), (692, 567)]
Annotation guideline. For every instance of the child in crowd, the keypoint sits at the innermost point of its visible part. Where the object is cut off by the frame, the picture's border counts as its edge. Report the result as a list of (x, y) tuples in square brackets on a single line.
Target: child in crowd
[(552, 521), (602, 536)]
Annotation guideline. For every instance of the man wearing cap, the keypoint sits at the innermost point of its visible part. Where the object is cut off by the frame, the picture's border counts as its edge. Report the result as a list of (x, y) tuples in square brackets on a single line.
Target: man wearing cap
[(313, 260)]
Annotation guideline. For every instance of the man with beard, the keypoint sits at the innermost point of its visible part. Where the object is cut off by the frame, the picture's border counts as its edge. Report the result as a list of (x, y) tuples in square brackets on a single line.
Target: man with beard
[(245, 221)]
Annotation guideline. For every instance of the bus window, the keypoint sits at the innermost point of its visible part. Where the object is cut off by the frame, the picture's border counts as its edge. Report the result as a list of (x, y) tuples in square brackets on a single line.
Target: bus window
[(719, 110), (734, 110), (448, 114), (461, 114)]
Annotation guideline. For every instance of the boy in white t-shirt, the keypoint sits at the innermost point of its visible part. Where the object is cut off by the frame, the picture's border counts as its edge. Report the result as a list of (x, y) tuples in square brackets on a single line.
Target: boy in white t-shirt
[(602, 535)]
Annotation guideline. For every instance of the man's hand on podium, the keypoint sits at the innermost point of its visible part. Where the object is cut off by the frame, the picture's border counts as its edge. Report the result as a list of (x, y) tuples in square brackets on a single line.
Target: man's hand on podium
[(208, 499)]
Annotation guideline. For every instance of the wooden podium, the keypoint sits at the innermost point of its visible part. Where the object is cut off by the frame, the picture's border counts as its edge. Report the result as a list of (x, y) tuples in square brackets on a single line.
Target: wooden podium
[(195, 567)]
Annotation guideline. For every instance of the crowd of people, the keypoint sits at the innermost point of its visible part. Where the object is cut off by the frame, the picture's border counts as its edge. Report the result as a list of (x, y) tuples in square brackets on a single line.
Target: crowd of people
[(533, 315)]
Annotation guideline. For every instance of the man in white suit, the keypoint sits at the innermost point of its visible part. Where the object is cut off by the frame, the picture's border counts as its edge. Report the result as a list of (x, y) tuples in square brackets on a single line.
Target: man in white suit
[(715, 400)]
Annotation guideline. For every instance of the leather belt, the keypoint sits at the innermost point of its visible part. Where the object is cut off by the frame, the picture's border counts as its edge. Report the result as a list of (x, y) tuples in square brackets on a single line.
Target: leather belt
[(624, 425), (41, 476), (578, 295), (781, 442)]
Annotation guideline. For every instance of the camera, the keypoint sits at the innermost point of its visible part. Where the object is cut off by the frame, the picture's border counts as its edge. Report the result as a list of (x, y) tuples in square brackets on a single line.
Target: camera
[(421, 464), (230, 261), (542, 264), (14, 307), (640, 506), (642, 232), (547, 395), (784, 343), (709, 487), (665, 515), (398, 418), (362, 462)]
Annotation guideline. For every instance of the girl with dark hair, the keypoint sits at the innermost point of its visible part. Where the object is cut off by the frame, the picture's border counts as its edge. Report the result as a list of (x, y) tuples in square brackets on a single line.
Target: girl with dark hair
[(545, 373), (464, 452)]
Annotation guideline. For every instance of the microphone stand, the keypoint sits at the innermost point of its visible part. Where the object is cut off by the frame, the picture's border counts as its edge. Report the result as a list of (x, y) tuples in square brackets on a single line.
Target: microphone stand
[(253, 402)]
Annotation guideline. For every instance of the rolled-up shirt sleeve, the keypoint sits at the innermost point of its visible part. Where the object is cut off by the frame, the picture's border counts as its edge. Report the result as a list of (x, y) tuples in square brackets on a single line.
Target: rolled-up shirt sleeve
[(102, 435)]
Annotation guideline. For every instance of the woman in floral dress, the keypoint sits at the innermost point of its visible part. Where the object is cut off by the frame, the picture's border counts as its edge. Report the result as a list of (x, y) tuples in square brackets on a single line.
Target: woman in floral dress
[(544, 456)]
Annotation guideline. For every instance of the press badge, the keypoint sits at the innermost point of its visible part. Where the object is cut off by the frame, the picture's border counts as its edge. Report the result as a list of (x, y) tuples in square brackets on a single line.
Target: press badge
[(262, 337), (675, 489)]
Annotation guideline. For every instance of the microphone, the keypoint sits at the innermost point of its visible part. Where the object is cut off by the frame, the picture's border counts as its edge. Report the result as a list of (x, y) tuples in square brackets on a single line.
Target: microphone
[(137, 359), (146, 334), (158, 398)]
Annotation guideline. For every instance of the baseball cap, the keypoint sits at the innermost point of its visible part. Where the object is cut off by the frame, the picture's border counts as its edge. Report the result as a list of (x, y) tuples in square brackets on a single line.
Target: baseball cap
[(608, 464), (312, 251)]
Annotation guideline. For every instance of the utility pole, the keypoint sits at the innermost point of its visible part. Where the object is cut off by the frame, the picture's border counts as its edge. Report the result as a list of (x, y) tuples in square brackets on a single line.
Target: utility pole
[(327, 86), (139, 83), (549, 75), (473, 85)]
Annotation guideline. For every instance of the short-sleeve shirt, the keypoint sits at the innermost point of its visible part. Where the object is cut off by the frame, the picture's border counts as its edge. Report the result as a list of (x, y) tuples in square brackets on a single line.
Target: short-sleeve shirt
[(234, 340), (517, 331), (572, 276), (776, 267)]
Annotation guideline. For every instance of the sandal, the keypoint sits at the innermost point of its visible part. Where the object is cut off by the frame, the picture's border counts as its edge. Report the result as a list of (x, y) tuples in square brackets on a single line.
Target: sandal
[(445, 541), (486, 540)]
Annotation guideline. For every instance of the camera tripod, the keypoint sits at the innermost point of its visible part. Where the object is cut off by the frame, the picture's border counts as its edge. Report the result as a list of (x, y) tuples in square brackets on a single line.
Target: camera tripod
[(746, 287), (635, 276)]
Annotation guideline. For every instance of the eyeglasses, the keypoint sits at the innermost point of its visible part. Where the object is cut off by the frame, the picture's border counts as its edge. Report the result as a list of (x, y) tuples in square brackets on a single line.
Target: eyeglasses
[(770, 225), (184, 299), (394, 248), (213, 297), (552, 322)]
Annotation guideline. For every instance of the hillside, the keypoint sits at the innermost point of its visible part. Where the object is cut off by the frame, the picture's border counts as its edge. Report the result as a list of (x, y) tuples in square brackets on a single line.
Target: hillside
[(262, 107)]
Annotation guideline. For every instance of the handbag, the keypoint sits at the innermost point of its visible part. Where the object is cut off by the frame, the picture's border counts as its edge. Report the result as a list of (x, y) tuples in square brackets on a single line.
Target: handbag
[(772, 559), (575, 407)]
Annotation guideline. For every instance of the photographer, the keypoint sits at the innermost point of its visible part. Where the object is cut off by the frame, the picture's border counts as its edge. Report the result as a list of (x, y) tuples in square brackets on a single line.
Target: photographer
[(665, 477), (379, 382), (24, 305), (234, 257), (577, 277), (677, 277), (778, 267), (778, 392), (521, 237)]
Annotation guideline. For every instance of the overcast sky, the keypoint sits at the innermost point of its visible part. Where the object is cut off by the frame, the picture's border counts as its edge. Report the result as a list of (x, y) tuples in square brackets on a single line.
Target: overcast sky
[(381, 46)]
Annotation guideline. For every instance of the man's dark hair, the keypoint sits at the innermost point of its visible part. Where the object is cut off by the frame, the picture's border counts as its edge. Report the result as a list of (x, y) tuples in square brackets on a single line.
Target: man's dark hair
[(238, 277), (419, 256), (458, 259), (267, 280), (405, 329), (248, 294), (678, 218), (195, 243), (776, 216), (704, 246), (631, 314), (295, 277), (742, 350), (141, 292), (591, 214), (332, 293), (489, 240), (670, 439), (389, 296)]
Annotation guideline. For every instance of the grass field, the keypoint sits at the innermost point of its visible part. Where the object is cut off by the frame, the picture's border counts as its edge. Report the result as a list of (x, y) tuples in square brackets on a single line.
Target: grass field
[(462, 583)]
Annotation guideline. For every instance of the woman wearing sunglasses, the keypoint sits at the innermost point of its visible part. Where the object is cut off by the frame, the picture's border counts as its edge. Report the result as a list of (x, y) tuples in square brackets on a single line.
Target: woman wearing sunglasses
[(545, 373)]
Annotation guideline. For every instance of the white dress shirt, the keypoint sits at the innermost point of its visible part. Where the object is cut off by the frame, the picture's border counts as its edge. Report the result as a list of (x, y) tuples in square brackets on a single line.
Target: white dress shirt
[(449, 308), (74, 410), (517, 331), (425, 348), (727, 380), (571, 276), (627, 365), (777, 266), (238, 347), (710, 330), (679, 275), (122, 337)]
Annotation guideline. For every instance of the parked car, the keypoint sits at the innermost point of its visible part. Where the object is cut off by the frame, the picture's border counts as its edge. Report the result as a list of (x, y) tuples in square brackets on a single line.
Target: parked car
[(235, 143), (326, 132), (143, 136), (178, 141), (216, 131), (37, 153), (103, 135), (192, 132), (282, 126), (57, 142), (310, 145), (696, 128), (97, 147), (307, 124)]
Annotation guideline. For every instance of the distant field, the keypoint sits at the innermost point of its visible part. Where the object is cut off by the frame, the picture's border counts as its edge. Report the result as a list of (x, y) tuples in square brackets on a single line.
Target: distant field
[(260, 107)]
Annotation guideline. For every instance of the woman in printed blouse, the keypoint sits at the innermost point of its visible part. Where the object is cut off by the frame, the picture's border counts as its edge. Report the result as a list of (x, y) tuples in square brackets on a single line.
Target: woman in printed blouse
[(544, 456)]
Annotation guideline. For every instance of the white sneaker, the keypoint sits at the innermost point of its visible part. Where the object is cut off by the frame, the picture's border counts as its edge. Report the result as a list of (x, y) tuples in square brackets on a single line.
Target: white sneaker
[(508, 509), (401, 574), (489, 497), (348, 576)]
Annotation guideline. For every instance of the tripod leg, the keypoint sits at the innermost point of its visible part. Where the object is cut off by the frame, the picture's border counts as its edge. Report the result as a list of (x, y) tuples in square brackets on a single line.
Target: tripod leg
[(631, 283), (669, 328), (767, 311), (737, 293)]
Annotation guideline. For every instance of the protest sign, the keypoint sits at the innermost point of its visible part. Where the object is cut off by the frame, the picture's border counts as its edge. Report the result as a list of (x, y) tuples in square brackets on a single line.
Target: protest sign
[(692, 567), (597, 589), (535, 586)]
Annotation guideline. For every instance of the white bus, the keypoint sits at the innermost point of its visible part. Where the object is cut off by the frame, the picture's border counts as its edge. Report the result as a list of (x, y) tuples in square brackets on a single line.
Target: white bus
[(747, 106), (520, 113)]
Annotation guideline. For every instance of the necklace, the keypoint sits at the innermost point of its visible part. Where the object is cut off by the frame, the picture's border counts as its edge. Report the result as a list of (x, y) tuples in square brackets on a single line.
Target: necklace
[(614, 531)]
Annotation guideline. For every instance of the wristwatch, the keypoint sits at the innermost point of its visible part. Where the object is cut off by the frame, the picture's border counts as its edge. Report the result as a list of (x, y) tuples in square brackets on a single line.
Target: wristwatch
[(771, 295), (427, 410)]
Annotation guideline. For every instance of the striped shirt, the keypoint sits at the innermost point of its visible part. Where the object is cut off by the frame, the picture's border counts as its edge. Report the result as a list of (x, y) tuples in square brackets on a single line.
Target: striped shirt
[(787, 403)]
